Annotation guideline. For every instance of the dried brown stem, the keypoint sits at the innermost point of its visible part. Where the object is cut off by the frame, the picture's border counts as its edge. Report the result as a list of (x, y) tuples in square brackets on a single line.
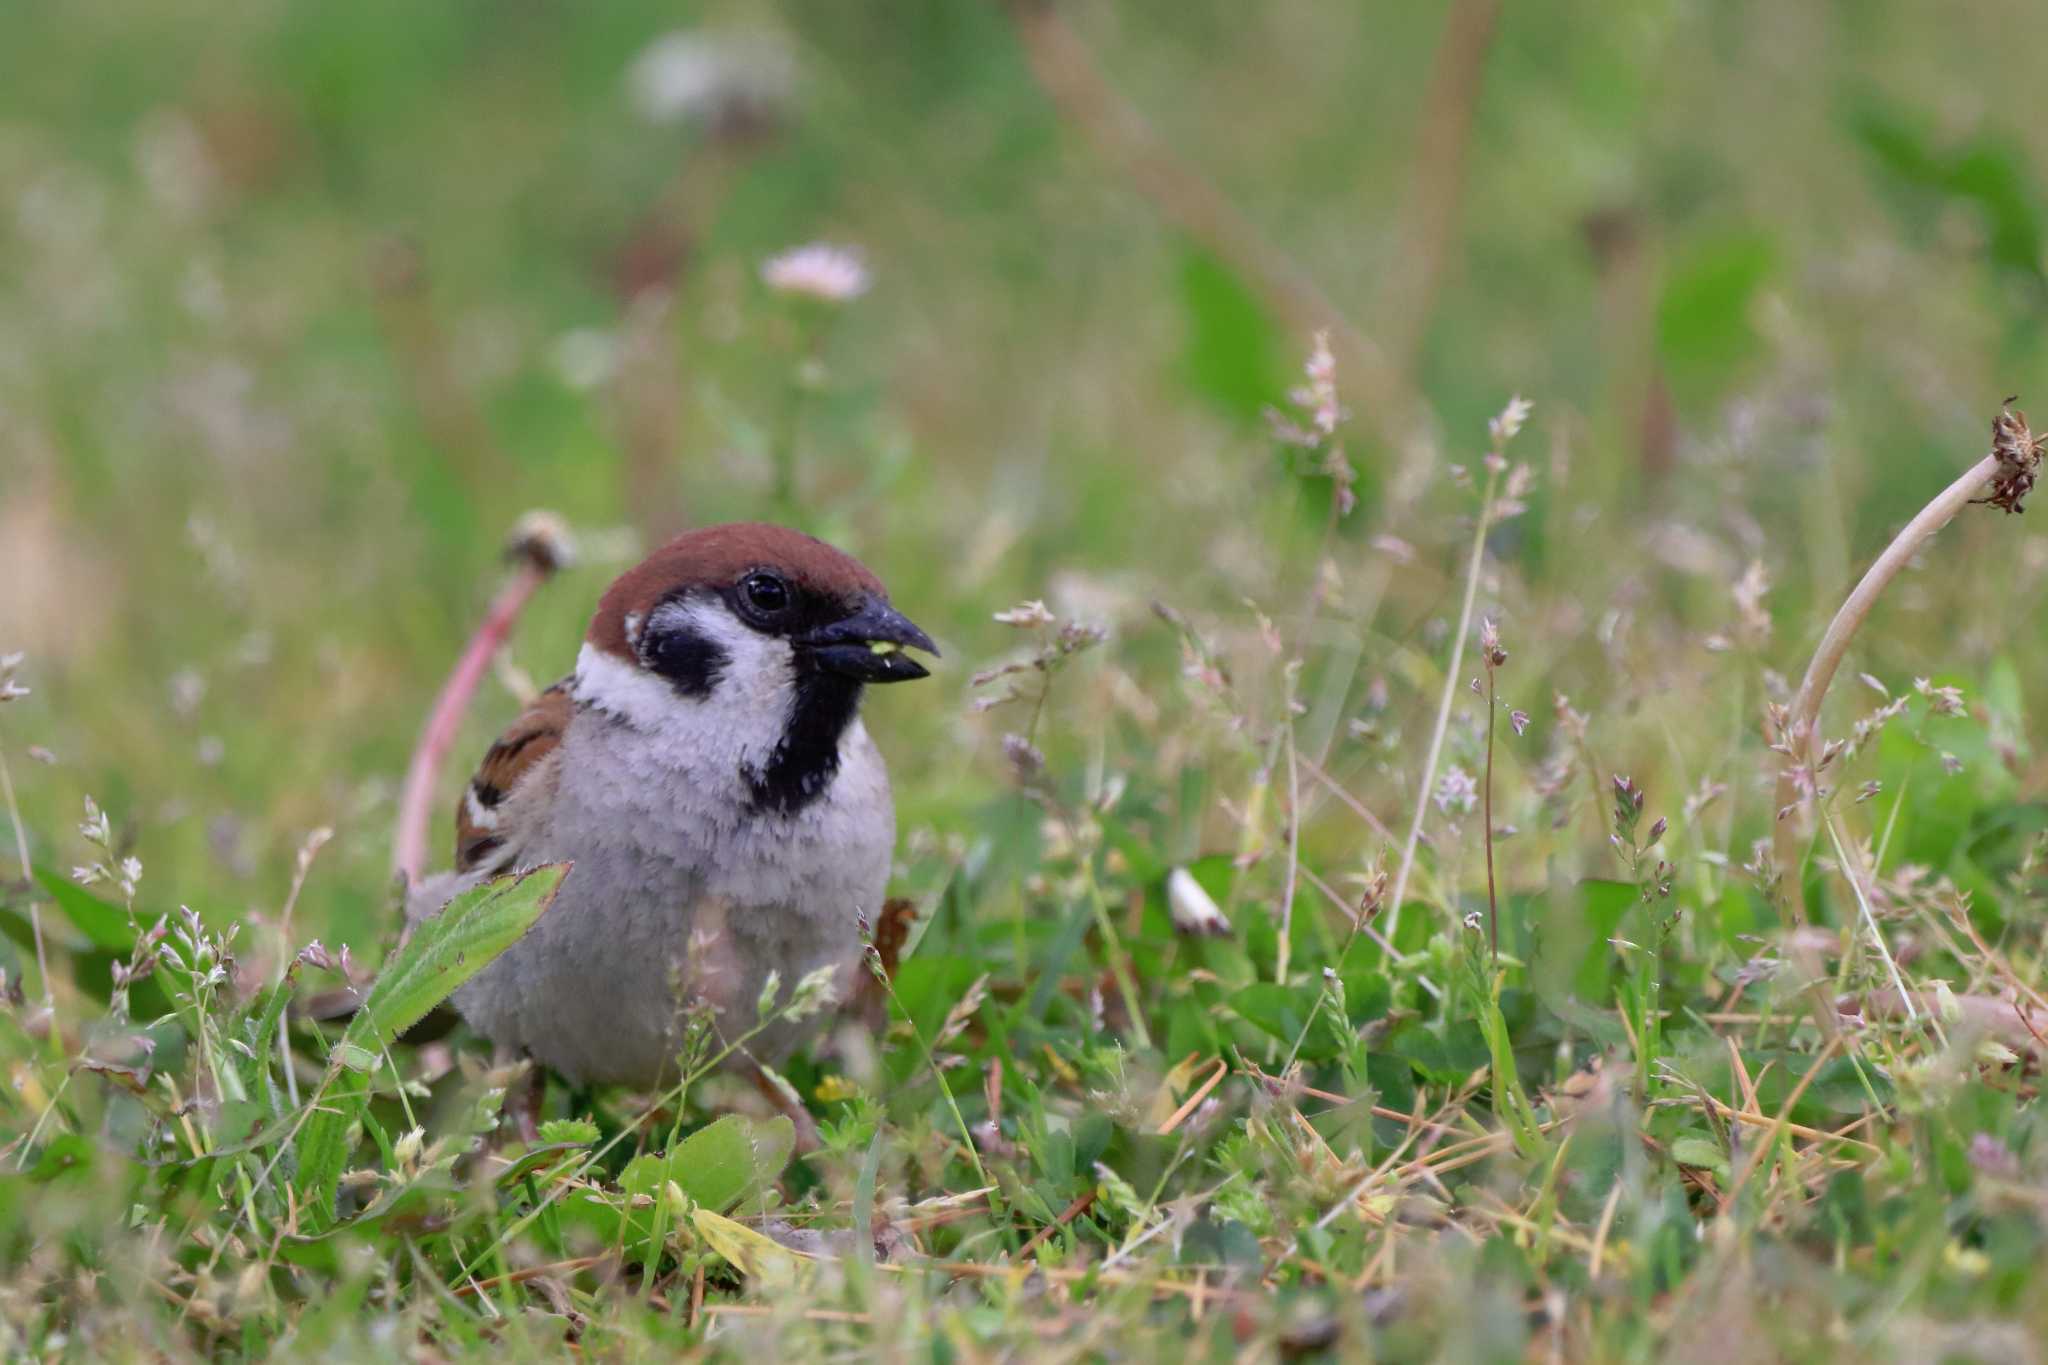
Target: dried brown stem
[(454, 421), (650, 404), (1438, 183), (1803, 724), (1084, 97)]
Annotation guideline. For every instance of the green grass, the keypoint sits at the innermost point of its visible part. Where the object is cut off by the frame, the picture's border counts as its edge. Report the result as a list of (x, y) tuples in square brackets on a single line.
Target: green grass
[(307, 304)]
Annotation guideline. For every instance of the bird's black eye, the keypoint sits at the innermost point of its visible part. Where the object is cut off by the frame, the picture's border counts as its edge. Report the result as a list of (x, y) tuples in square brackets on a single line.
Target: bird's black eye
[(764, 594)]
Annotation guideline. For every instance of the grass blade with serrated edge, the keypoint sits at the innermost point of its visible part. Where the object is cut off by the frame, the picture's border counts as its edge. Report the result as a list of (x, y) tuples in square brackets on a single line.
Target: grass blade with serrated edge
[(442, 953), (449, 949)]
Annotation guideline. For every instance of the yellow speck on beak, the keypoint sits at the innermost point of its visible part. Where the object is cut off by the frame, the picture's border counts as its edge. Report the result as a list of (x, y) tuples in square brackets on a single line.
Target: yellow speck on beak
[(885, 647)]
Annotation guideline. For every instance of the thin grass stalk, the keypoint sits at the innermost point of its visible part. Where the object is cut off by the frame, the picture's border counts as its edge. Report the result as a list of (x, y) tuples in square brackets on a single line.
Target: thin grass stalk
[(35, 914), (1869, 916), (1486, 814), (1291, 881), (1443, 710)]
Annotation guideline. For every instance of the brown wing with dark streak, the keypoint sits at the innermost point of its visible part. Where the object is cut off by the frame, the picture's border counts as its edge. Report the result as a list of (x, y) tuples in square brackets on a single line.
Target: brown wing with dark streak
[(508, 782)]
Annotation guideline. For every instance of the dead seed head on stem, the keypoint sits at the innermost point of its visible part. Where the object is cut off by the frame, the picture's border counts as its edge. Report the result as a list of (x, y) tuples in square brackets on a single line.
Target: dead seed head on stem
[(541, 538), (2018, 451), (1489, 644)]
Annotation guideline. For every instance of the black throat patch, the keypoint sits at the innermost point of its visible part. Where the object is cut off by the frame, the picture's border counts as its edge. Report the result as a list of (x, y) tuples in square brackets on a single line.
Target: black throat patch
[(807, 758)]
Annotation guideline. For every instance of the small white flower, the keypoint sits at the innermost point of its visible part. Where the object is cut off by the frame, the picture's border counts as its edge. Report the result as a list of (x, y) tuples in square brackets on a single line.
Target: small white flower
[(1193, 909), (713, 77), (819, 270), (1504, 427), (1320, 397), (188, 689), (584, 358), (10, 690), (1456, 792), (817, 989), (1026, 615), (96, 828)]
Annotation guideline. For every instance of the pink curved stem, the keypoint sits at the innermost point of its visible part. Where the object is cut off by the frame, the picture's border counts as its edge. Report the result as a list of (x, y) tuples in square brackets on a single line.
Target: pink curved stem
[(409, 847)]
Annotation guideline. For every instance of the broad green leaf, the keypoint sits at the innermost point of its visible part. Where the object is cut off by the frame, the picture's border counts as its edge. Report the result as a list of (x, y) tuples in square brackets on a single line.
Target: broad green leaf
[(1700, 1152), (449, 949), (718, 1165), (1988, 173), (323, 1144), (67, 1155), (442, 953), (104, 924), (1232, 352), (1704, 333), (1284, 1011)]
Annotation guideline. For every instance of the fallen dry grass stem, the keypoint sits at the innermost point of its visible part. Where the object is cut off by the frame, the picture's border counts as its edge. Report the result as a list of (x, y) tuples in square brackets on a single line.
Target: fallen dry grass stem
[(1351, 803), (1201, 1093), (1752, 1119), (1782, 1124), (1074, 1210)]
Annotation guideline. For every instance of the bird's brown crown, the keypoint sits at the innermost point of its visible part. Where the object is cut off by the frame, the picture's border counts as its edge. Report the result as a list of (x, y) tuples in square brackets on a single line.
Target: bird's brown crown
[(717, 557)]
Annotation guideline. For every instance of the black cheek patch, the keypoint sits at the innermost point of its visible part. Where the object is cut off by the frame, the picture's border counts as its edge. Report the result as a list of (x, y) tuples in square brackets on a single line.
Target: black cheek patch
[(692, 663)]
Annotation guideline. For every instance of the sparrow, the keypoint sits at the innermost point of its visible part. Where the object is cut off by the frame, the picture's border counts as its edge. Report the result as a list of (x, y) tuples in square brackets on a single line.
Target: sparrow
[(706, 773)]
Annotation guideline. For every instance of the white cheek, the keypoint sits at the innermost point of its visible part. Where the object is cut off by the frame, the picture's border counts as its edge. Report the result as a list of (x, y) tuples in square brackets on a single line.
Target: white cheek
[(740, 722), (480, 815), (622, 688)]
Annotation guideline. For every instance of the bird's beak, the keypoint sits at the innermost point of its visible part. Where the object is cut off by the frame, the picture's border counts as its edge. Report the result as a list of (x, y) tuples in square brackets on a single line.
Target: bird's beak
[(869, 645)]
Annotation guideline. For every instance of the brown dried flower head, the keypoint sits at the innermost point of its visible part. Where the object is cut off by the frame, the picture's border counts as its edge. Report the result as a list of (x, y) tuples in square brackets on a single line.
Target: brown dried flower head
[(2019, 458)]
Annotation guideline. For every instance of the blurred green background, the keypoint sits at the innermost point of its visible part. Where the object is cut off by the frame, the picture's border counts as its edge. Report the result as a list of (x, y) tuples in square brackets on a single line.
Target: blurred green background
[(303, 304)]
